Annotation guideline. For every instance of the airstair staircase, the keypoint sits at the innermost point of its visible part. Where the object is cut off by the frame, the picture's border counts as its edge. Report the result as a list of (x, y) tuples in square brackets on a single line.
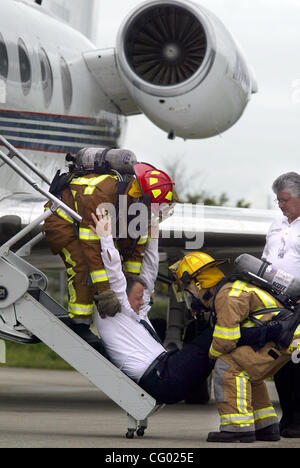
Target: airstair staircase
[(29, 315)]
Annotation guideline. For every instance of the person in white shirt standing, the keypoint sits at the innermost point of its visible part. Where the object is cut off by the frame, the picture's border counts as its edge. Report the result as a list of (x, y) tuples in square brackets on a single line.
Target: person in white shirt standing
[(282, 249)]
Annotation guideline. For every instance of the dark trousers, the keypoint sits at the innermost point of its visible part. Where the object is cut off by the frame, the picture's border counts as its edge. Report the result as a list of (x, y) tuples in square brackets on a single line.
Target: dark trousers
[(180, 370), (287, 381)]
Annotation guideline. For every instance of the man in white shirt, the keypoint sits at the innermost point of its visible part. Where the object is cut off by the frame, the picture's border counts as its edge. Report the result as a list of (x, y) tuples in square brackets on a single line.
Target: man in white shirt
[(130, 346), (282, 249), (167, 376)]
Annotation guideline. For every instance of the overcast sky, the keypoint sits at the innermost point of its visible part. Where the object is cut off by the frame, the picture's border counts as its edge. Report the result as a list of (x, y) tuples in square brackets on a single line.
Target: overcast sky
[(244, 161)]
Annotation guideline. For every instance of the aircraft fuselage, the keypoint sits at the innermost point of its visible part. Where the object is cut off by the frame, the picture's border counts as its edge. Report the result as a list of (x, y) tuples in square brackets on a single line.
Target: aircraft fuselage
[(49, 102)]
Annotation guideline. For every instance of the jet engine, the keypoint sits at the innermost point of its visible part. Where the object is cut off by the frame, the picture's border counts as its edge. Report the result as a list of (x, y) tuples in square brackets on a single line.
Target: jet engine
[(183, 69)]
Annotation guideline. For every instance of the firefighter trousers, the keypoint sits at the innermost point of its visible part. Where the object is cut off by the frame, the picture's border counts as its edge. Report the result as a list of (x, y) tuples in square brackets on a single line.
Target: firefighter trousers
[(80, 293), (240, 392)]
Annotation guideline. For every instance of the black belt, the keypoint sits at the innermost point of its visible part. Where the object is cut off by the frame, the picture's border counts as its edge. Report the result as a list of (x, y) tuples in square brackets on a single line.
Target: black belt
[(152, 365)]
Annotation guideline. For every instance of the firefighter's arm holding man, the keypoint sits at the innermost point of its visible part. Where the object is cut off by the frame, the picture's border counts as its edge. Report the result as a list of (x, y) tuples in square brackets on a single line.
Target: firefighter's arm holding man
[(107, 301), (150, 261), (230, 312)]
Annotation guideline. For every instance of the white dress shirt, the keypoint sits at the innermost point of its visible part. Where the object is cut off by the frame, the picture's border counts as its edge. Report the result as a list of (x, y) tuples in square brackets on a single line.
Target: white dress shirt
[(282, 247), (128, 344)]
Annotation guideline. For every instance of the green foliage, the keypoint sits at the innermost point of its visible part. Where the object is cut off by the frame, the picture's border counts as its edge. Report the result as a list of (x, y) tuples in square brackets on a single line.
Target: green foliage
[(206, 199), (36, 356), (159, 309)]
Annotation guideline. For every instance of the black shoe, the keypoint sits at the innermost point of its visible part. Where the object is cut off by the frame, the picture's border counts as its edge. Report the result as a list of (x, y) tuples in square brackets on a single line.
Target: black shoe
[(225, 436), (268, 433), (291, 431)]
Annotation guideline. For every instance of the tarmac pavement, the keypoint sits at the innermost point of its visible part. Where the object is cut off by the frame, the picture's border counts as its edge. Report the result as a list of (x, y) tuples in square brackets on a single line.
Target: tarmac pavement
[(61, 409)]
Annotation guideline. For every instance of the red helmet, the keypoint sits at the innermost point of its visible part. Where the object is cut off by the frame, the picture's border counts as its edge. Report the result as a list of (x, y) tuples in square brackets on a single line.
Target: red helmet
[(154, 183)]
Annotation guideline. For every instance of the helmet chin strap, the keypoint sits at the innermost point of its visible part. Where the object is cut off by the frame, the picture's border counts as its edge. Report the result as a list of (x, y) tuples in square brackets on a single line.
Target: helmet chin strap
[(208, 295)]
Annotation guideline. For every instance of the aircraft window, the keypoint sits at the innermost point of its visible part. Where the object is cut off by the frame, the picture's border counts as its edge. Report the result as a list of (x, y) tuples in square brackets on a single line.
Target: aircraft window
[(47, 76), (66, 83), (25, 67), (3, 59)]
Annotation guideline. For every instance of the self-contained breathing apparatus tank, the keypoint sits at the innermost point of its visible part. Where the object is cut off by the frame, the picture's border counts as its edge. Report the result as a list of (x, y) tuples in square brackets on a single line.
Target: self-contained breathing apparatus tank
[(280, 283), (101, 160)]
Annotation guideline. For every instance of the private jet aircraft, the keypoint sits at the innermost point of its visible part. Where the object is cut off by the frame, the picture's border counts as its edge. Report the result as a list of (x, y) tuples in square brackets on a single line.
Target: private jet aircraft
[(173, 61)]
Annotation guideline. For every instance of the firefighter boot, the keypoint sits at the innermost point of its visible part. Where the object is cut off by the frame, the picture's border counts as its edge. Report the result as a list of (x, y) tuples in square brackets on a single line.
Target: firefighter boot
[(268, 433), (224, 436)]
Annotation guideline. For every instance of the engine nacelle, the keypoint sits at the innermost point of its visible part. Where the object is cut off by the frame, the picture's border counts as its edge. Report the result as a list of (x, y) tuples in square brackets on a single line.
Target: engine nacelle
[(183, 69)]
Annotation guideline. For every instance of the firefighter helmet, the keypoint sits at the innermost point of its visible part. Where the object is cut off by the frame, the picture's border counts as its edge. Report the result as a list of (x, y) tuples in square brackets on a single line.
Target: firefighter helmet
[(154, 183), (199, 267)]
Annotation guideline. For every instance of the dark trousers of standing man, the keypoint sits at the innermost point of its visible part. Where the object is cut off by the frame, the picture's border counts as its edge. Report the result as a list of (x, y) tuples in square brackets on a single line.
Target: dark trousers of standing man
[(178, 371), (287, 381)]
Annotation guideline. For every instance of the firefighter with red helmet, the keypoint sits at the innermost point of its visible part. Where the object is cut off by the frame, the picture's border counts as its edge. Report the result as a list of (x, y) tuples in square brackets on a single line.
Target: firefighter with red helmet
[(91, 183)]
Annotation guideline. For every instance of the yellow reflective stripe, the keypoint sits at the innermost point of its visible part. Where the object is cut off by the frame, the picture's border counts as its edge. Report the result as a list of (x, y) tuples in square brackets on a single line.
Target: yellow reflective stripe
[(241, 395), (63, 215), (98, 276), (132, 267), (233, 333), (91, 183), (213, 352), (89, 190), (74, 193), (72, 292), (88, 181), (264, 413), (68, 257), (87, 234), (248, 324), (237, 288), (71, 273), (297, 332), (237, 419), (266, 299), (143, 240), (80, 309), (295, 344)]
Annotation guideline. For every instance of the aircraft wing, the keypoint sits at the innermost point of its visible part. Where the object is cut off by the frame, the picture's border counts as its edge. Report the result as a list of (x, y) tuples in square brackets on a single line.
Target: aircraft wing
[(219, 231), (223, 232)]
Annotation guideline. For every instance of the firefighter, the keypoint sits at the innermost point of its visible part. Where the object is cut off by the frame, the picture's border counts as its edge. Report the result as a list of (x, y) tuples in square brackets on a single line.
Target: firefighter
[(246, 412), (84, 190)]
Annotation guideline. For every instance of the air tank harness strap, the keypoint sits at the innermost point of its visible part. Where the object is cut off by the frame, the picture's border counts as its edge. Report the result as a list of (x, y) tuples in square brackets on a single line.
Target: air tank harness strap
[(59, 183), (279, 314)]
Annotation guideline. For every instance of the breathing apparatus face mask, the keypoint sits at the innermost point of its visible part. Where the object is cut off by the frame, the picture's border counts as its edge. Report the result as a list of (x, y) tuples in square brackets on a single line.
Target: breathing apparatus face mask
[(183, 295), (194, 305)]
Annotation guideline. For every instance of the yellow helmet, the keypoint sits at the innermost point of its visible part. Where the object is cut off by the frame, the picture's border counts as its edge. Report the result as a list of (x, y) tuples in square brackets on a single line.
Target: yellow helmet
[(199, 267)]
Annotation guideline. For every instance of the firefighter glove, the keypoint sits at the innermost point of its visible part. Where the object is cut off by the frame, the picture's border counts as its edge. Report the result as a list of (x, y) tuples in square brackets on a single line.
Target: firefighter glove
[(107, 303)]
